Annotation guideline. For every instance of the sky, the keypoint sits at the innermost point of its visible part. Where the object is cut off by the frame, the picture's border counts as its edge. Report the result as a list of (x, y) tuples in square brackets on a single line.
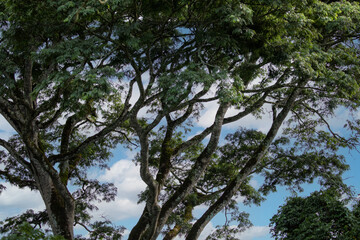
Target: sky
[(125, 175)]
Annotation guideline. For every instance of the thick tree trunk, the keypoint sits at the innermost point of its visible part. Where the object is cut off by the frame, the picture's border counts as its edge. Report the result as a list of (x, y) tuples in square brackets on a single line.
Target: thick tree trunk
[(60, 205), (141, 226), (61, 214), (177, 228)]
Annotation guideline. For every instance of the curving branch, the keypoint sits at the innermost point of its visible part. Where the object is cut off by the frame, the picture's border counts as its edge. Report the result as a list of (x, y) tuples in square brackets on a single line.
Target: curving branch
[(18, 181), (96, 137), (201, 136), (335, 135), (15, 154), (14, 118), (196, 172), (234, 185)]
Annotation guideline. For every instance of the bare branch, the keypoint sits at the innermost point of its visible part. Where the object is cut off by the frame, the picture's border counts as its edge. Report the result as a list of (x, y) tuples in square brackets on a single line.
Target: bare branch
[(84, 226)]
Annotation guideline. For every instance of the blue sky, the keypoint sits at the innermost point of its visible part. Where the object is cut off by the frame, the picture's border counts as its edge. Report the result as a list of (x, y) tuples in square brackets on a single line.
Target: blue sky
[(125, 211)]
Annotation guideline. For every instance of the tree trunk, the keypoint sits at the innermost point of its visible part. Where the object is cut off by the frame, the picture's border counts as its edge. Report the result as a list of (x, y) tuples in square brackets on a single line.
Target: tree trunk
[(177, 228), (60, 205), (61, 214)]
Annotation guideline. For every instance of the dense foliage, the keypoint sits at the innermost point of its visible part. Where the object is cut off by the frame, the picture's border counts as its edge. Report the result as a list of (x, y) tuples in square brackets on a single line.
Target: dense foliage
[(322, 215), (78, 78), (24, 231)]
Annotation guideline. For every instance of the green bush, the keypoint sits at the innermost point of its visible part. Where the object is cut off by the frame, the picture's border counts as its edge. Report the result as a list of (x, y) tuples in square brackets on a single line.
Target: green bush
[(25, 231)]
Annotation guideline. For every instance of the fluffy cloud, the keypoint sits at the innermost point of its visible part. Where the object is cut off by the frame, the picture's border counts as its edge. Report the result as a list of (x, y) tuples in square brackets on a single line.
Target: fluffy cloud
[(15, 201), (254, 232), (125, 175), (338, 121), (120, 209)]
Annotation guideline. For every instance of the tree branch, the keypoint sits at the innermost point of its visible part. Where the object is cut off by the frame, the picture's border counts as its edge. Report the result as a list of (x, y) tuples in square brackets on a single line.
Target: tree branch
[(15, 154), (14, 118), (197, 170), (16, 180), (234, 185)]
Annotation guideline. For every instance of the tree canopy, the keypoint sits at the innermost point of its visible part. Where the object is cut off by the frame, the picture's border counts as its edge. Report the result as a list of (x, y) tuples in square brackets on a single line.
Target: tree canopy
[(81, 77), (322, 215)]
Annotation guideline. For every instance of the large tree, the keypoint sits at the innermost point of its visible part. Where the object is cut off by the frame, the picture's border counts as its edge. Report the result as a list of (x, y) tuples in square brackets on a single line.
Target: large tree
[(70, 71)]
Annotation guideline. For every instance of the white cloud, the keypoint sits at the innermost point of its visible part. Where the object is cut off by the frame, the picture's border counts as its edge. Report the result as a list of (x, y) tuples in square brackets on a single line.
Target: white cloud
[(135, 94), (23, 198), (126, 233), (254, 232), (120, 209), (125, 175), (208, 114), (338, 121), (240, 199), (14, 201), (200, 210)]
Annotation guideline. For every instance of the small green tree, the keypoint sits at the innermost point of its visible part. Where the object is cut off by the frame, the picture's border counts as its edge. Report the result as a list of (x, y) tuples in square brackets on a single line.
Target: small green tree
[(321, 216), (24, 231)]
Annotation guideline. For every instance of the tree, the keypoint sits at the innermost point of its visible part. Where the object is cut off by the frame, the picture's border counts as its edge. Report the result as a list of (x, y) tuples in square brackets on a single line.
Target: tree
[(45, 79), (284, 164), (63, 61), (322, 215)]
